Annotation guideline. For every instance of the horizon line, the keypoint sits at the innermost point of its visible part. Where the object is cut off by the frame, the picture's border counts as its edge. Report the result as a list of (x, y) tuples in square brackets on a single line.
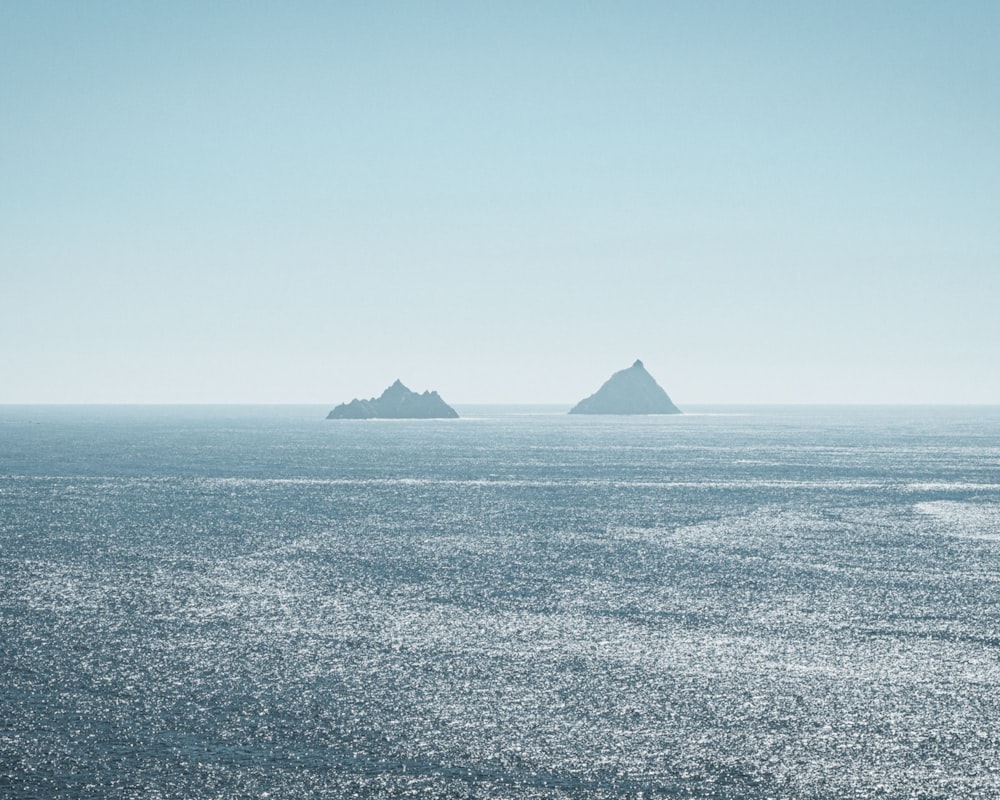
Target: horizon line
[(757, 403)]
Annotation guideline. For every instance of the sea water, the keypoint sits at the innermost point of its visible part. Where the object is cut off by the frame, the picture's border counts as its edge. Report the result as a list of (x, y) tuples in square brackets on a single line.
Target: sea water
[(739, 603)]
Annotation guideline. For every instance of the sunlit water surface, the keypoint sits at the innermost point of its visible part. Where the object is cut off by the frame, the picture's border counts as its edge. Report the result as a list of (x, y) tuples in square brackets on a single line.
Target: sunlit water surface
[(256, 602)]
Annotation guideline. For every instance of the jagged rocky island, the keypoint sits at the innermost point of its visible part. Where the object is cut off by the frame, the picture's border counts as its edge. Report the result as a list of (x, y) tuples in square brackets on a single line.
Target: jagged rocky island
[(396, 402), (629, 391)]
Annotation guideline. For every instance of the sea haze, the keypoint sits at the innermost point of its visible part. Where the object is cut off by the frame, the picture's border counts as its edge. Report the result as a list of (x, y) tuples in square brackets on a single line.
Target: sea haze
[(734, 603)]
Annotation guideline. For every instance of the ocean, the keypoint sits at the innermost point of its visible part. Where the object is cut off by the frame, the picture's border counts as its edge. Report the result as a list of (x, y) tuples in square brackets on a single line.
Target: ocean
[(255, 602)]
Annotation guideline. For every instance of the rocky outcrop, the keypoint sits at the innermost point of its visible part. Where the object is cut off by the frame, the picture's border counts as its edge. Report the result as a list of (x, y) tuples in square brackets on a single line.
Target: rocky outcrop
[(396, 402), (630, 391)]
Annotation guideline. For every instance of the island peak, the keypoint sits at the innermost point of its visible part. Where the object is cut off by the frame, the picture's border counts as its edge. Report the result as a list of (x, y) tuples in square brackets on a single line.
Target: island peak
[(396, 402), (628, 391)]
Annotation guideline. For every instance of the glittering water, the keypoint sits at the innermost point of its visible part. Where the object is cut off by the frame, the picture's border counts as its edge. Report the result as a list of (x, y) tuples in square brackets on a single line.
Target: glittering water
[(256, 602)]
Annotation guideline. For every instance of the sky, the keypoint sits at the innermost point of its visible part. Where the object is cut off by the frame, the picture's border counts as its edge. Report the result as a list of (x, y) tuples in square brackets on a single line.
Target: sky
[(300, 202)]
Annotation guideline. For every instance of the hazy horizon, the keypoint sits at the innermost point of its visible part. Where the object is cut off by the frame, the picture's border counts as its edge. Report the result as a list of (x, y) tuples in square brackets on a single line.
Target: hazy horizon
[(690, 408), (300, 204)]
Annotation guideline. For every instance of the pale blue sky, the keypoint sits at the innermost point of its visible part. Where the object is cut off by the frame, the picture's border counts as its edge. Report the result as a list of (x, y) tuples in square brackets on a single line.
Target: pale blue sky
[(301, 202)]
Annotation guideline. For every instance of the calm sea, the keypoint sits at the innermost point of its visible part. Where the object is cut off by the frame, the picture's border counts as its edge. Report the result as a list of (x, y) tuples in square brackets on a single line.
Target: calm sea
[(253, 602)]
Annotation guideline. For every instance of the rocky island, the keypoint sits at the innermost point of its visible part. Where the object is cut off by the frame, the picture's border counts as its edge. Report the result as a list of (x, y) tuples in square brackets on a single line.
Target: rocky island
[(396, 402), (629, 391)]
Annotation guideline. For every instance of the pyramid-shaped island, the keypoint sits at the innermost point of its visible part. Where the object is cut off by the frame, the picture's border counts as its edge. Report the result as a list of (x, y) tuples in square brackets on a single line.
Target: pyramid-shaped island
[(629, 391), (396, 402)]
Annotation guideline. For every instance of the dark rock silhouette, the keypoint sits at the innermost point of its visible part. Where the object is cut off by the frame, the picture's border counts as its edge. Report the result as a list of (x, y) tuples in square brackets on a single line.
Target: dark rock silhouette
[(630, 391), (396, 402)]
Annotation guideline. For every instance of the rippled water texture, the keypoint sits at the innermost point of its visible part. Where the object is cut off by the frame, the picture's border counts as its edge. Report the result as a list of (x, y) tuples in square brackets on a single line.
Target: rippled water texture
[(776, 603)]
